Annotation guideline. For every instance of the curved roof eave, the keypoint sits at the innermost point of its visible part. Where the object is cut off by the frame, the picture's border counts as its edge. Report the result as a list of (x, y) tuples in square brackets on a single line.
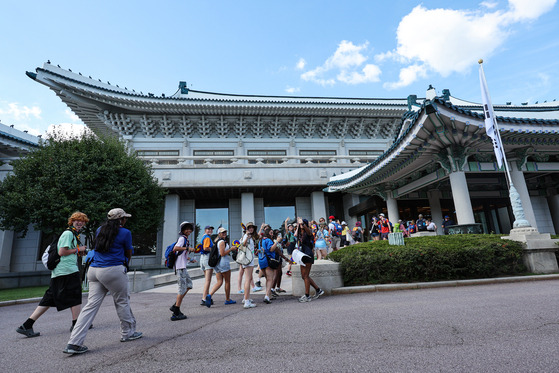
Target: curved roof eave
[(356, 178)]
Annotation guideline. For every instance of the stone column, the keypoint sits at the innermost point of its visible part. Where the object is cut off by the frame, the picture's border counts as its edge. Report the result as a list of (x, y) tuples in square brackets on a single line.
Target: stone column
[(247, 208), (519, 182), (6, 242), (434, 196), (461, 197), (553, 201), (349, 200), (171, 222), (392, 207), (318, 206)]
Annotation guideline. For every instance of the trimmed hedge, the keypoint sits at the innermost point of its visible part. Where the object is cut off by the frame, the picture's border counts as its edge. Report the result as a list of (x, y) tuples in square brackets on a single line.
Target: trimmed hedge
[(425, 259)]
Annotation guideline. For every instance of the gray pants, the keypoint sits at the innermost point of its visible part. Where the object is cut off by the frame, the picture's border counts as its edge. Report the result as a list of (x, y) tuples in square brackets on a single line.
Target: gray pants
[(101, 281)]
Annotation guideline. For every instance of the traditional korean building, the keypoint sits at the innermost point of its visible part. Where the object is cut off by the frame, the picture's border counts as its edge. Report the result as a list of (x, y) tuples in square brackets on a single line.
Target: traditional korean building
[(227, 159), (443, 163)]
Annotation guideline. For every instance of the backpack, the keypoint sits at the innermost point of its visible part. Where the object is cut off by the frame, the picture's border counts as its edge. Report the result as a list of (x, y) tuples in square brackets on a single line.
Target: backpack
[(357, 234), (214, 257), (338, 231), (50, 257), (171, 256)]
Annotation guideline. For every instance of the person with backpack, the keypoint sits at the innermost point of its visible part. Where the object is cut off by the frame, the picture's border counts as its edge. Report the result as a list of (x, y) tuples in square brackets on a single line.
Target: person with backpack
[(335, 232), (421, 224), (207, 245), (222, 269), (291, 241), (385, 227), (357, 232), (375, 229), (181, 250), (268, 248), (65, 289), (107, 273), (320, 244)]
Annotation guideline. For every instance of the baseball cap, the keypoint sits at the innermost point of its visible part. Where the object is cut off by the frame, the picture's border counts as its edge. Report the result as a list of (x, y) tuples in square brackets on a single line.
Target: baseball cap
[(209, 227), (184, 224), (220, 230), (117, 213), (331, 217)]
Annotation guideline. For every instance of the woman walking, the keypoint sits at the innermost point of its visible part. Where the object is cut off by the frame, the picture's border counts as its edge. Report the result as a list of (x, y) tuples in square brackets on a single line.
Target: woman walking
[(107, 273), (304, 235), (222, 269), (249, 241), (267, 252)]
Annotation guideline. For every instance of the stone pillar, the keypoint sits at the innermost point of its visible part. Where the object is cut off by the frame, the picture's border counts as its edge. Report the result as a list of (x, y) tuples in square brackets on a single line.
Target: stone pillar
[(247, 208), (318, 206), (461, 197), (434, 196), (349, 200), (6, 242), (519, 182), (553, 202), (171, 222), (392, 207)]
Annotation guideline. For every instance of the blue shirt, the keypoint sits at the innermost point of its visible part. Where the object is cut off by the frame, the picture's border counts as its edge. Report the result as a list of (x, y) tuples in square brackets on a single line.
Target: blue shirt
[(206, 242), (265, 246), (115, 256)]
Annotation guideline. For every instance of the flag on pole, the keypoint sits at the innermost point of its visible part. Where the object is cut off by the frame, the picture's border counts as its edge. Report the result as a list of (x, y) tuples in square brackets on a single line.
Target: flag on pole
[(490, 120)]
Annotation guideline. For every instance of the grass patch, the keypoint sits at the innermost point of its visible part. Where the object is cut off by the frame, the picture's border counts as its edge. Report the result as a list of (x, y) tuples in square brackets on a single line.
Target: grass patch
[(423, 259), (22, 293)]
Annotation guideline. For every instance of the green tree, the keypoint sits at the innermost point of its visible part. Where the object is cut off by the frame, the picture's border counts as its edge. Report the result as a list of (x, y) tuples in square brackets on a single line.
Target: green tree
[(86, 173)]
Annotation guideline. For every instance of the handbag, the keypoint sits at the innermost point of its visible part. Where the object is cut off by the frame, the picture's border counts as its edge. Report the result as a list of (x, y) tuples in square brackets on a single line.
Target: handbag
[(244, 255)]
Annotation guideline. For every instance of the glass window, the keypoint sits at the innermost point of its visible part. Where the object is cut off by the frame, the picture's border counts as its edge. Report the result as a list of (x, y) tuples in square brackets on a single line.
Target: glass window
[(214, 153), (317, 152), (276, 215), (365, 152), (267, 153), (152, 153), (216, 217)]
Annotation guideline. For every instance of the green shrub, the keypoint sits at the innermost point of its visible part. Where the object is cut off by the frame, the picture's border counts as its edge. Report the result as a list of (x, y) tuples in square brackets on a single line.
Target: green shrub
[(424, 259)]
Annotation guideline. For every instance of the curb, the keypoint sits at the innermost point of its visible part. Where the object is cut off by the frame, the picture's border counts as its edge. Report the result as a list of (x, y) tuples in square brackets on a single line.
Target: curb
[(440, 284)]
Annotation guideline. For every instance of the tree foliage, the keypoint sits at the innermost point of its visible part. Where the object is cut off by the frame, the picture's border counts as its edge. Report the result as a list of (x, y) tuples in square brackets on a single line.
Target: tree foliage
[(87, 173)]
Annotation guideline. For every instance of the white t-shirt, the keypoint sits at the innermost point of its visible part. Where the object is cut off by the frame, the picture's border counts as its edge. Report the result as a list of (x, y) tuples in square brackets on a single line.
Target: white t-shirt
[(431, 227), (182, 259)]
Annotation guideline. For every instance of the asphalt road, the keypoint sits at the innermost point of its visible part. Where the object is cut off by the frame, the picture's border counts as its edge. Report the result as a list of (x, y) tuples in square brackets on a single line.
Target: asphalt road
[(489, 328)]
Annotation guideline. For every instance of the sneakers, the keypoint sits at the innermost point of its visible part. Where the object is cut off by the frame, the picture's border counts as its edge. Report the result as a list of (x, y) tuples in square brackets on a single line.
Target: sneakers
[(256, 288), (318, 294), (136, 335), (280, 290), (230, 301), (180, 316), (274, 294), (29, 333), (249, 304), (75, 349), (203, 302), (288, 273), (267, 300), (208, 300), (241, 292), (304, 299), (258, 284)]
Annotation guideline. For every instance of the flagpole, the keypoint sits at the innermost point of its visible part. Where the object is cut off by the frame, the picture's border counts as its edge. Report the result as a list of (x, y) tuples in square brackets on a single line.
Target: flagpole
[(517, 209)]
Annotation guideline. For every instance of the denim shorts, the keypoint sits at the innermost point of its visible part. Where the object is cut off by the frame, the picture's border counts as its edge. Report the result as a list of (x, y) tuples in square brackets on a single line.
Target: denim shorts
[(223, 265), (204, 262), (183, 280)]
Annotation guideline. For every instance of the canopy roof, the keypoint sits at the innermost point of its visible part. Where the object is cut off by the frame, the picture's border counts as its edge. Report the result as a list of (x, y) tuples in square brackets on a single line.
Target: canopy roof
[(440, 133), (14, 142)]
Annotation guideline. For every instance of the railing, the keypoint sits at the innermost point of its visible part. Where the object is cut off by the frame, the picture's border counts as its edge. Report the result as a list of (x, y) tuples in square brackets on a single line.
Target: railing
[(193, 161)]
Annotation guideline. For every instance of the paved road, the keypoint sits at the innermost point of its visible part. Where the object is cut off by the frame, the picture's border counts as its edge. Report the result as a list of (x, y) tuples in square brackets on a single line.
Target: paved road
[(489, 328)]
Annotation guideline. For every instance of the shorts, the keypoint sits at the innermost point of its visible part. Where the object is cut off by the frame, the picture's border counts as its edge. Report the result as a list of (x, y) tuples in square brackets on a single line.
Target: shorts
[(223, 265), (63, 292), (384, 236), (251, 264), (291, 247), (183, 280), (335, 242), (204, 262)]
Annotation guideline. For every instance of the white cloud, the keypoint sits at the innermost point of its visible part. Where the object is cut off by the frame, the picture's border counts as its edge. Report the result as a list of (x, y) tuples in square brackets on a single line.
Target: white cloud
[(408, 75), (73, 117), (292, 90), (18, 112), (346, 66), (301, 64), (456, 38)]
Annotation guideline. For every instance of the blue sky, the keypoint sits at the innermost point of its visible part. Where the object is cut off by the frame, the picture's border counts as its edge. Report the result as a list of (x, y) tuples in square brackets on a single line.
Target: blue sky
[(313, 48)]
